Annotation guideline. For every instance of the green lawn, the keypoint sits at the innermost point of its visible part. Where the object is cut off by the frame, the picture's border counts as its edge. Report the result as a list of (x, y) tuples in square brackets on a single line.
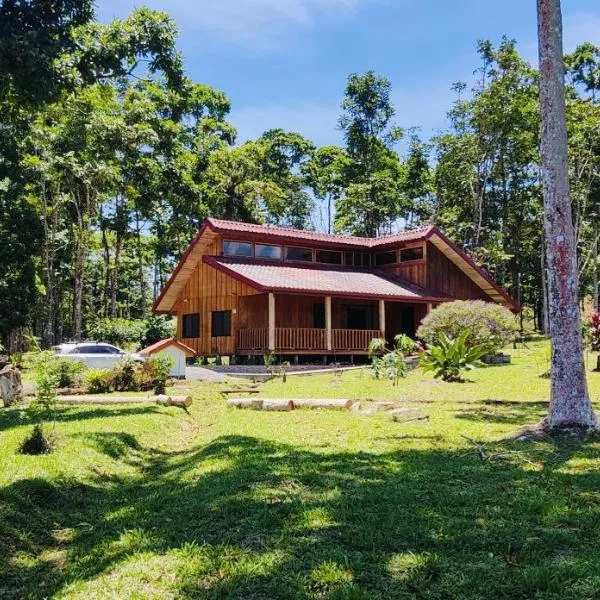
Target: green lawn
[(150, 502)]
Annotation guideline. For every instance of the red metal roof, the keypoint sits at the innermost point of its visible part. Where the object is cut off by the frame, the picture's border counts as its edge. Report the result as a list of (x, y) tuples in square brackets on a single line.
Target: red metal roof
[(321, 279), (161, 344), (299, 235), (283, 235)]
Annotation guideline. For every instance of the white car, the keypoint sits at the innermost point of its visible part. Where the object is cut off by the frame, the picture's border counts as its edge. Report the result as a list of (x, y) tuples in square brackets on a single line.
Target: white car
[(94, 355)]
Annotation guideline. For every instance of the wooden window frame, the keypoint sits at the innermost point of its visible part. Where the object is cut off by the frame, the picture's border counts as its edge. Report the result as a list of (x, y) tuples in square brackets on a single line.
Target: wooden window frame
[(213, 314), (251, 244), (299, 260), (321, 262), (281, 249), (198, 328)]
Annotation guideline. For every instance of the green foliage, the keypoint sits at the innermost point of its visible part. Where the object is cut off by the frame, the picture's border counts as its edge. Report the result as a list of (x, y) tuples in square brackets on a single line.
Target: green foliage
[(131, 376), (121, 332), (99, 381), (66, 372), (488, 325), (390, 363), (374, 176), (124, 375), (43, 407), (36, 442), (160, 367), (158, 327), (449, 357)]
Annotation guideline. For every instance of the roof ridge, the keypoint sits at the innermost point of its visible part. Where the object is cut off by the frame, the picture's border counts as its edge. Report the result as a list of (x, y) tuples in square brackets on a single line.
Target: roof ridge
[(367, 241)]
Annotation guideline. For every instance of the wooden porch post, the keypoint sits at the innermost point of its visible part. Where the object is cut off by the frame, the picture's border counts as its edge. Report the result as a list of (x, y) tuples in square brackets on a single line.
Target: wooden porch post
[(429, 308), (382, 317), (328, 323), (271, 321)]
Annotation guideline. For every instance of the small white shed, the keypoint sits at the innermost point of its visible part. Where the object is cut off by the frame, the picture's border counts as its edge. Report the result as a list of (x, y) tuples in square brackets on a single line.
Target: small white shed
[(173, 348)]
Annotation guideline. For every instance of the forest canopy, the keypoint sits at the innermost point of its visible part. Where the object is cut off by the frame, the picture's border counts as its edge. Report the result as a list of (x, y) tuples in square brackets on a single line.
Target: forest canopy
[(111, 156)]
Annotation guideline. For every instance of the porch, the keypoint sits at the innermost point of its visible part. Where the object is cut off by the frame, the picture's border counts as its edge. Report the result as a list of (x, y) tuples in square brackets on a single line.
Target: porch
[(302, 325)]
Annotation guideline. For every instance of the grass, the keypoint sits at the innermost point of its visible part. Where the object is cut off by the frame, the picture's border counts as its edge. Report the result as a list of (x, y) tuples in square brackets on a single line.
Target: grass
[(151, 502)]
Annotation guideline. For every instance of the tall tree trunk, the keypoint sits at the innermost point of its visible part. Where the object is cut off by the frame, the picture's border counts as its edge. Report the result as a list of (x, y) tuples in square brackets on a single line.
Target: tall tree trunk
[(569, 401), (140, 258), (595, 267), (114, 279), (545, 325)]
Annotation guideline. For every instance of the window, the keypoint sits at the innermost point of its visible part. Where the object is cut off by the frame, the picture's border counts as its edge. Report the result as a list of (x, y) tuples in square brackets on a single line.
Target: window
[(295, 253), (358, 259), (319, 315), (237, 248), (415, 253), (190, 327), (221, 323), (267, 251), (329, 256), (385, 258), (95, 349)]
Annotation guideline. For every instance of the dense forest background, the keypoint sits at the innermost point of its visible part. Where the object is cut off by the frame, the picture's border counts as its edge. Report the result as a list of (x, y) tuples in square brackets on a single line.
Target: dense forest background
[(111, 156)]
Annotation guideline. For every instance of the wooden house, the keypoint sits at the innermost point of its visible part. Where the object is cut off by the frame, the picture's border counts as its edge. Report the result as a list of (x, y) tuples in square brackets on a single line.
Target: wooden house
[(242, 289)]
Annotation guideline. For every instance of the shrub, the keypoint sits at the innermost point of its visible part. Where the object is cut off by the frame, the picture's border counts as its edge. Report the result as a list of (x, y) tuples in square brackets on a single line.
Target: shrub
[(124, 375), (390, 363), (99, 381), (450, 357), (488, 325), (130, 376), (43, 407), (36, 442), (591, 330), (159, 367), (66, 371)]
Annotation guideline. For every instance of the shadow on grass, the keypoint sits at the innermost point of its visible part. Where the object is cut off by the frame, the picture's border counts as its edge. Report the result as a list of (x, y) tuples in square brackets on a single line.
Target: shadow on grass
[(18, 416), (253, 519), (505, 411)]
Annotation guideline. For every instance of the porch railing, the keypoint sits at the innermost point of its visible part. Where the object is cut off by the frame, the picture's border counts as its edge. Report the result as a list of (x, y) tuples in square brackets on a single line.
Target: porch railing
[(305, 339)]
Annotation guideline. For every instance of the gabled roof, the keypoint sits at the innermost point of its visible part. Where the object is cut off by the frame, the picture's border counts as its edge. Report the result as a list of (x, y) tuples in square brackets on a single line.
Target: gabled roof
[(321, 279), (283, 235), (162, 344)]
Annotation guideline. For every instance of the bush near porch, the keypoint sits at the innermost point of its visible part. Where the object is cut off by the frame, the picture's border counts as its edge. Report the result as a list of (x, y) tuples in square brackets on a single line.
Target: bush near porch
[(490, 325), (150, 502)]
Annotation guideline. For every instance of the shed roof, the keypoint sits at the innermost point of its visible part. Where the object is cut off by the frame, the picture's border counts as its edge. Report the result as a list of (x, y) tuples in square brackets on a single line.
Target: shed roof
[(321, 279), (162, 344)]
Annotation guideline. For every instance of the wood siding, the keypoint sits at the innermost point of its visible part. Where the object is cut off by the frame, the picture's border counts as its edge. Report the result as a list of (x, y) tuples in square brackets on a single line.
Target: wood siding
[(210, 290), (446, 279)]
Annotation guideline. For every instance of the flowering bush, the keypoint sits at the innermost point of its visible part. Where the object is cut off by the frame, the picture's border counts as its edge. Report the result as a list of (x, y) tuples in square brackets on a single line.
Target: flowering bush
[(592, 330), (489, 326)]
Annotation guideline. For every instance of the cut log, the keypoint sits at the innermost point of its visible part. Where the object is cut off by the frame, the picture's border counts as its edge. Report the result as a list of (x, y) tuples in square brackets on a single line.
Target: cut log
[(335, 403), (379, 406), (241, 391), (163, 400), (403, 415), (180, 401), (11, 388), (262, 404), (277, 405), (245, 403)]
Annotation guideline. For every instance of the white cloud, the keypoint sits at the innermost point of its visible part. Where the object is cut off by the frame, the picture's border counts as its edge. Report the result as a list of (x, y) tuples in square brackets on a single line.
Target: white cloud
[(253, 24)]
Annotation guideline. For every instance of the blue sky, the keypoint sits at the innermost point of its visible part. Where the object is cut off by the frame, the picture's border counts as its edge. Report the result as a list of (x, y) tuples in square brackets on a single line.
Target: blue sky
[(284, 63)]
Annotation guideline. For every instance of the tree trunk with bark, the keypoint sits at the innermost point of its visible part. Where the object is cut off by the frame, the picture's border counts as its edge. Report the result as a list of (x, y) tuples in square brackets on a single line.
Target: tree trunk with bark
[(569, 401)]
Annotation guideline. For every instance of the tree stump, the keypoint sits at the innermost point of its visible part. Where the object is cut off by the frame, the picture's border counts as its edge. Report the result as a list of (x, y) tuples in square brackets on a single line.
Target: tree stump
[(11, 388)]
